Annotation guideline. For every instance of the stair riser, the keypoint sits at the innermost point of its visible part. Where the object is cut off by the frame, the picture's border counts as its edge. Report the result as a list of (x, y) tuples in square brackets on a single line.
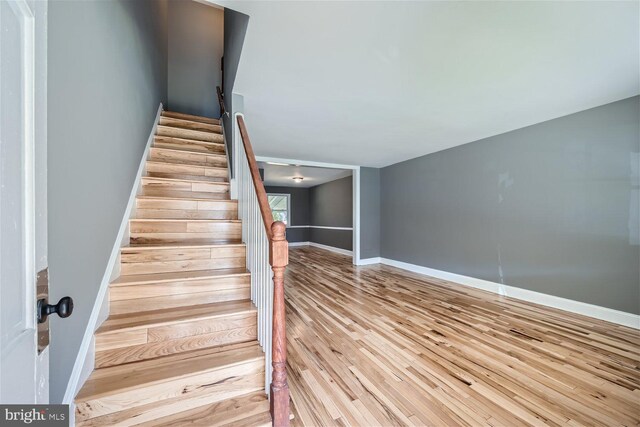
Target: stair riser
[(184, 186), (187, 265), (132, 346), (188, 134), (188, 205), (188, 145), (186, 124), (231, 285), (201, 171), (134, 260), (206, 387), (186, 209), (185, 157), (179, 214), (184, 232), (163, 192), (158, 303), (252, 381)]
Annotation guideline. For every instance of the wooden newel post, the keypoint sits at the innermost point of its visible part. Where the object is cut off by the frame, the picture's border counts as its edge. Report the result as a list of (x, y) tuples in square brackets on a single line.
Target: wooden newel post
[(279, 258)]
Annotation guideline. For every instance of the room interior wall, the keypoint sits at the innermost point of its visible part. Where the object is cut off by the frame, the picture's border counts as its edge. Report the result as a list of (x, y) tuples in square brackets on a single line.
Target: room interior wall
[(107, 74), (369, 212), (331, 205), (314, 208), (195, 49), (552, 208)]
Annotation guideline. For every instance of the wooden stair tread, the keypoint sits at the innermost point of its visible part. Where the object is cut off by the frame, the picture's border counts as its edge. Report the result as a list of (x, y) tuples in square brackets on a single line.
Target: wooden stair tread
[(249, 410), (189, 145), (160, 138), (191, 117), (190, 124), (105, 381), (176, 132), (171, 316), (141, 279)]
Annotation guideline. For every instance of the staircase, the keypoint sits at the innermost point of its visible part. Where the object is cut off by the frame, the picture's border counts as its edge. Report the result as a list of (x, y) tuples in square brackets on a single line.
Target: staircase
[(180, 344)]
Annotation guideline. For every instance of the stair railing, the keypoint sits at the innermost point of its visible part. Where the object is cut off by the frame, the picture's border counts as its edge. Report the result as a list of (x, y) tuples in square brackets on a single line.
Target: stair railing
[(220, 100), (267, 258)]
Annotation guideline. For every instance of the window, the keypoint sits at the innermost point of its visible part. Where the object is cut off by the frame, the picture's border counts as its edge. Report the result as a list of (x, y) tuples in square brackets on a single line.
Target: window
[(280, 207)]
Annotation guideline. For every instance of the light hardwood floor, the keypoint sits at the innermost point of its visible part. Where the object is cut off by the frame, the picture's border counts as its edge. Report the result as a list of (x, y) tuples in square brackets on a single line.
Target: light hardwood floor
[(377, 345)]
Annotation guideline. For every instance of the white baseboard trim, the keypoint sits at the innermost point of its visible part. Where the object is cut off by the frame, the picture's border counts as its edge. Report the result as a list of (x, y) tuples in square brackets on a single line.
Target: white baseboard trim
[(298, 244), (331, 248), (325, 247), (369, 261), (113, 268), (591, 310), (324, 227)]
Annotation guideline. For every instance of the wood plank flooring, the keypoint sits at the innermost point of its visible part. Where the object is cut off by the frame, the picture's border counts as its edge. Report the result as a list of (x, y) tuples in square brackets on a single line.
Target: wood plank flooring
[(379, 346)]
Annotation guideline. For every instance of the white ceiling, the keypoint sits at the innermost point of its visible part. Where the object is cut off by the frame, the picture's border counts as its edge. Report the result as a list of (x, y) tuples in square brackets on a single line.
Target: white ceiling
[(375, 83), (283, 175)]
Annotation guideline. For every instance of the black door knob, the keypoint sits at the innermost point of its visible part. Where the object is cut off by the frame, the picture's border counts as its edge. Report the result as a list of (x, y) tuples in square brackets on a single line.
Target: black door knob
[(63, 308)]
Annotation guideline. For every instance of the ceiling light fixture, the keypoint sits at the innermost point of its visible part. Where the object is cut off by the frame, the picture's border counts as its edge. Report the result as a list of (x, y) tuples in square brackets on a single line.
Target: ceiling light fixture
[(278, 164), (298, 179)]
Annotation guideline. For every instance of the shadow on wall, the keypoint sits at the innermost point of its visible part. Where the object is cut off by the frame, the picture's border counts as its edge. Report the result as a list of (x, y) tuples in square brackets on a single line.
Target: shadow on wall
[(196, 40)]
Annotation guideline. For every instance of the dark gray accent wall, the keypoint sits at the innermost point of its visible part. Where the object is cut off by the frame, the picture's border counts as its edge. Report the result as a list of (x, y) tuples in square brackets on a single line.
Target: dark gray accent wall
[(299, 200), (195, 51), (235, 28), (552, 208), (331, 205), (369, 212), (107, 74)]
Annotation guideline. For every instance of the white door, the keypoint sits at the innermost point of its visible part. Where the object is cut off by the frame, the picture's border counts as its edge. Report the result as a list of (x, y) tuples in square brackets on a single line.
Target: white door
[(21, 370)]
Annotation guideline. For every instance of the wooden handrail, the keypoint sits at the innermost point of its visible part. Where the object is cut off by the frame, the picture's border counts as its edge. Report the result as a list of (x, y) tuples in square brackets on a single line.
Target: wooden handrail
[(220, 100), (263, 201), (278, 259)]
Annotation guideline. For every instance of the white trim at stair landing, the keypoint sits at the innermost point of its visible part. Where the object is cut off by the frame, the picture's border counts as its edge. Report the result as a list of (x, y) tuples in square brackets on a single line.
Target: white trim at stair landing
[(100, 307), (591, 310)]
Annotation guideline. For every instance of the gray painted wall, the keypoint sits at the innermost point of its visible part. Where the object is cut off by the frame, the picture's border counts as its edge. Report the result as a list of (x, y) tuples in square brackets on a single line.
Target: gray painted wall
[(107, 75), (195, 49), (235, 28), (331, 205), (369, 212), (551, 208), (300, 215)]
